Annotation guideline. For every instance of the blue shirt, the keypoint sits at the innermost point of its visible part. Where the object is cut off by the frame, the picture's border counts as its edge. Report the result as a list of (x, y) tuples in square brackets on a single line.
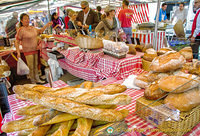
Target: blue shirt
[(160, 15)]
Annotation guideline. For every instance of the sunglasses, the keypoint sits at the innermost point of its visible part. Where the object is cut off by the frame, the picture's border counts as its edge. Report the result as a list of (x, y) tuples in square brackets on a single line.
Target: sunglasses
[(84, 8)]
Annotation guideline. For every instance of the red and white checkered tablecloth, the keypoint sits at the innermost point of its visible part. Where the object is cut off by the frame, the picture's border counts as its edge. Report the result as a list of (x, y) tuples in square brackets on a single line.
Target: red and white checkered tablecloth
[(147, 38), (105, 66), (132, 120), (84, 59)]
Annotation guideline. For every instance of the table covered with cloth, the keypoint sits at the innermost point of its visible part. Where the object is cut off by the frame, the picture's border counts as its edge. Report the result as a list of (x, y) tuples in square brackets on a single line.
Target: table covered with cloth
[(134, 122), (95, 65)]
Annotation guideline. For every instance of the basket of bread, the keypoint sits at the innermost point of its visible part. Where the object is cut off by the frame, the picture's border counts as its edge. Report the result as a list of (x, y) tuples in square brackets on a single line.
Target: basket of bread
[(115, 49), (171, 96), (75, 110), (87, 42)]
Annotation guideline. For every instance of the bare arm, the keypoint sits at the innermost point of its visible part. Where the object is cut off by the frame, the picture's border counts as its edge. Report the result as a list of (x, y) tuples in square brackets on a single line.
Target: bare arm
[(42, 29), (17, 48)]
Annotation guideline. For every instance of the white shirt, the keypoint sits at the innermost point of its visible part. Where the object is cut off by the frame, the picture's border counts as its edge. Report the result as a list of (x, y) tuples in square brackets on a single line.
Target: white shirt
[(180, 15), (85, 17), (197, 30)]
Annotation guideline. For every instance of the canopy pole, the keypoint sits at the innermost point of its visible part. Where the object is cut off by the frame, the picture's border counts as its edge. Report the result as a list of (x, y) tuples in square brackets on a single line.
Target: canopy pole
[(50, 29), (156, 26)]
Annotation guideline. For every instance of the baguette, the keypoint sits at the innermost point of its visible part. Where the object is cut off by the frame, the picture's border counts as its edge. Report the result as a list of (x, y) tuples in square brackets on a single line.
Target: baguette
[(32, 110), (40, 131), (26, 131), (87, 85), (178, 84), (53, 129), (92, 98), (183, 101), (18, 125), (110, 89), (45, 117), (64, 128), (84, 127), (71, 107)]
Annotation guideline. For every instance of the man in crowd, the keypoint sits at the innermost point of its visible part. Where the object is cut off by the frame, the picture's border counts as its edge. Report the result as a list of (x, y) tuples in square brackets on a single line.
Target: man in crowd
[(125, 17), (11, 26), (162, 14), (87, 17), (99, 12), (195, 34), (181, 13)]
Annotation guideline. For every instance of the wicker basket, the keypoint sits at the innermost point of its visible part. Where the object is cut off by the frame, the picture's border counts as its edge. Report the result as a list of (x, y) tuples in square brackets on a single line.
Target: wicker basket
[(88, 42), (159, 117), (146, 65)]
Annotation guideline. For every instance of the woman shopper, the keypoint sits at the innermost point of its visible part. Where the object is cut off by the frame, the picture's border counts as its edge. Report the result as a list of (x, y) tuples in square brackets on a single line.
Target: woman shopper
[(72, 24), (108, 24), (27, 37), (57, 23)]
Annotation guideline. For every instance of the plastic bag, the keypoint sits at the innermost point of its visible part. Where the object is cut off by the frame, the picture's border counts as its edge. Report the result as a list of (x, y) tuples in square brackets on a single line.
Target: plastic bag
[(22, 68)]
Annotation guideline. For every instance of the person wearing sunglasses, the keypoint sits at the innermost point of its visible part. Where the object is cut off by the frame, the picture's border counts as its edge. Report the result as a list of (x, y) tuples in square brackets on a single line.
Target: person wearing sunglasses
[(195, 34), (87, 17)]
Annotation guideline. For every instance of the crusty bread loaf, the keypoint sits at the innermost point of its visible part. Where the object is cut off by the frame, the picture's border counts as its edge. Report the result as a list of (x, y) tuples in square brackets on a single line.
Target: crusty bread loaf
[(26, 132), (64, 128), (83, 127), (187, 53), (91, 97), (87, 85), (163, 51), (153, 76), (32, 110), (132, 49), (141, 80), (183, 101), (110, 89), (71, 107), (153, 92), (150, 54), (178, 84), (40, 131), (139, 48), (192, 67), (168, 62)]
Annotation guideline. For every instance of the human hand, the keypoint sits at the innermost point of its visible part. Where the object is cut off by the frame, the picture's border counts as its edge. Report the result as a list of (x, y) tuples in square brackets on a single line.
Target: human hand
[(49, 23), (192, 39), (18, 55), (86, 26)]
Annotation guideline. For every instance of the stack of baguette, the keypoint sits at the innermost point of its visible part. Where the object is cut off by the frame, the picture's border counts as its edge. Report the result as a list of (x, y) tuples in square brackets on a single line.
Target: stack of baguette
[(68, 111), (166, 80)]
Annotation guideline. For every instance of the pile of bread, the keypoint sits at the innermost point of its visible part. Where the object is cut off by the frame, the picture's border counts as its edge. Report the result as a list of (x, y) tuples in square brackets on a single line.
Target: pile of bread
[(167, 80), (118, 48), (150, 53), (66, 111)]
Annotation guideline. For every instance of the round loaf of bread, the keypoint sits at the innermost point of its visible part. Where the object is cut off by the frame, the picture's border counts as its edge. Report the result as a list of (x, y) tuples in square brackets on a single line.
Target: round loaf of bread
[(141, 80), (187, 53), (150, 54), (163, 51), (167, 62), (153, 92)]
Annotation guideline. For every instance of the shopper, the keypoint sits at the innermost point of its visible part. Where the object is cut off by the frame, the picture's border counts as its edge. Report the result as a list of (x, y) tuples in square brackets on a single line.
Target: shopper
[(87, 17), (11, 26), (57, 23), (125, 17), (67, 18), (2, 28), (109, 24), (162, 14), (72, 24), (180, 13), (38, 22), (27, 37), (99, 12), (195, 34)]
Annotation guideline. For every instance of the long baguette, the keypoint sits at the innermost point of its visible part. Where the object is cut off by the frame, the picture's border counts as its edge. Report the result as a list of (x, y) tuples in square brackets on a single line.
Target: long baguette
[(32, 110), (40, 131), (72, 107), (18, 125), (64, 128), (92, 98), (84, 127), (26, 131)]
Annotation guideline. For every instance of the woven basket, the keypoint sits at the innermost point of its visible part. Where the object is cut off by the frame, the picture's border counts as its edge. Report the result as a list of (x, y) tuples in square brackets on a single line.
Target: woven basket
[(88, 42), (146, 65), (188, 120)]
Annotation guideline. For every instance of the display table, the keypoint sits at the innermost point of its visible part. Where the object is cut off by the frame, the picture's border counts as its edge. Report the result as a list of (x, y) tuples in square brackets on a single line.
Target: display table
[(147, 38), (97, 66), (65, 39), (134, 122)]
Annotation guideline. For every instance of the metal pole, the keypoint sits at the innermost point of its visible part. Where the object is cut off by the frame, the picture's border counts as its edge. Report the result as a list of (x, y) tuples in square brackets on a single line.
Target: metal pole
[(50, 29), (109, 2), (156, 26)]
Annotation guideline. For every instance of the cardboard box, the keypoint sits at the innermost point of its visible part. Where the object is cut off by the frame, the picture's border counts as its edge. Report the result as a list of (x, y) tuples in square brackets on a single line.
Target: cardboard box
[(171, 122)]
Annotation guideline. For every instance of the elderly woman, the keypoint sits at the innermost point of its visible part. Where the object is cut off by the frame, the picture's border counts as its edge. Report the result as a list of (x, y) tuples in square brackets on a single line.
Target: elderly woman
[(27, 36), (109, 23)]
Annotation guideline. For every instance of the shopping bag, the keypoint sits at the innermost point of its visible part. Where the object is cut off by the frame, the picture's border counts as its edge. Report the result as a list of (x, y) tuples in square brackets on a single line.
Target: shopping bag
[(22, 68), (179, 29)]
